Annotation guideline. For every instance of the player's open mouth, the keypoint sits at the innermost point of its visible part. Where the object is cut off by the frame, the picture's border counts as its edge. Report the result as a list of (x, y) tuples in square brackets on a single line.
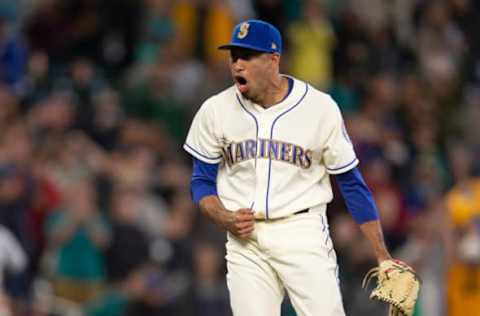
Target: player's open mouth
[(241, 83)]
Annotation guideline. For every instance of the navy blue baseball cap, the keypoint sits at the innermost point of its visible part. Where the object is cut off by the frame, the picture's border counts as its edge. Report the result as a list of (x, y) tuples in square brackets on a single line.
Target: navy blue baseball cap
[(256, 35)]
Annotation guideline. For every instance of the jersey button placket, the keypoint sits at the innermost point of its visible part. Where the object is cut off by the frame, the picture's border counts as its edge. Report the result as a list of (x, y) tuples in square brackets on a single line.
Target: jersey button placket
[(262, 174)]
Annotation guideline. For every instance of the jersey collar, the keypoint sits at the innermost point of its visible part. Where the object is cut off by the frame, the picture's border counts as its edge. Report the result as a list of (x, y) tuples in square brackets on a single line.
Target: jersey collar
[(291, 99)]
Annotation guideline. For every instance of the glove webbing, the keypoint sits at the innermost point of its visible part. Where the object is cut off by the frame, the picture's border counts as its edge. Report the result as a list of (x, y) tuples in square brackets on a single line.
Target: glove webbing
[(394, 306)]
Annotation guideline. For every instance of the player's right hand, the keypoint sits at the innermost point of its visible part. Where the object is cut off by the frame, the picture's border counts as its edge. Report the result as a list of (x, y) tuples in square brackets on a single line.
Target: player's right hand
[(241, 223)]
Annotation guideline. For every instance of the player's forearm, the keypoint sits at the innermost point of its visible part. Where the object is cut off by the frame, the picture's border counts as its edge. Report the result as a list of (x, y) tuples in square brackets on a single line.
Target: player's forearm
[(240, 222), (213, 208), (373, 231)]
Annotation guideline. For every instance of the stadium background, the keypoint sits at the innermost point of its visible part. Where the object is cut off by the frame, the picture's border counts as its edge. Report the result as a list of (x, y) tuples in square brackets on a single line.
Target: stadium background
[(95, 100)]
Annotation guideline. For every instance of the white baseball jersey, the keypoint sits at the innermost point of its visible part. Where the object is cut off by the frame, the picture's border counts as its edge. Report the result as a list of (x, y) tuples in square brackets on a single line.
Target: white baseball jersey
[(274, 160)]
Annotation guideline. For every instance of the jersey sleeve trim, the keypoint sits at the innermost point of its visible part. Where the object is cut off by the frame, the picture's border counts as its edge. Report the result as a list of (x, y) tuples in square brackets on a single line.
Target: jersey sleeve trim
[(192, 151), (344, 168)]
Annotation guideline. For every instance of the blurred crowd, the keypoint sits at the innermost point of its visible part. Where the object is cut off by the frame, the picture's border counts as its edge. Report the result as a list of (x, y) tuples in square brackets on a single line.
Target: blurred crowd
[(95, 101)]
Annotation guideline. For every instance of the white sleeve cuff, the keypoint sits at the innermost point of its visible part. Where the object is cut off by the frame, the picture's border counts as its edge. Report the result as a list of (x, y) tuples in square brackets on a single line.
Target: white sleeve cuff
[(344, 168), (195, 153)]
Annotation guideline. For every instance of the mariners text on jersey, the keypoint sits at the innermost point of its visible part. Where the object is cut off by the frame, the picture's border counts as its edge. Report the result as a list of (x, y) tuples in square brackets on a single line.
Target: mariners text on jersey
[(278, 150)]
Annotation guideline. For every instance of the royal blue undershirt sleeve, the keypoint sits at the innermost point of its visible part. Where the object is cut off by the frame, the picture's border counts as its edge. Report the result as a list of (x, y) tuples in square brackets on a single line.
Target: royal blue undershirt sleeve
[(357, 196), (204, 179)]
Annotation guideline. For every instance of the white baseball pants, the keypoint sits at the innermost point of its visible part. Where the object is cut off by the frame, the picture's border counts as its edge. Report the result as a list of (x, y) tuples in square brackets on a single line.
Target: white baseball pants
[(293, 254)]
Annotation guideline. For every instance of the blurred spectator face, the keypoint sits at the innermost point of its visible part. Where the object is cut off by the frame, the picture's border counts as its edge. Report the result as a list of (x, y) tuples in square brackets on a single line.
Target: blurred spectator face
[(11, 185), (107, 110), (415, 101), (175, 175), (363, 130), (160, 77), (143, 158), (56, 113), (442, 71), (69, 155), (134, 167), (437, 14), (135, 284), (425, 136), (125, 205), (18, 144), (411, 89), (38, 64), (384, 89), (313, 11), (371, 107), (82, 72)]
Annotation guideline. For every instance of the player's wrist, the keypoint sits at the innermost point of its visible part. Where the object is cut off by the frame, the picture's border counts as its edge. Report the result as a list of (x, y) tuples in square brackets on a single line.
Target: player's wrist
[(212, 207), (225, 218), (383, 257)]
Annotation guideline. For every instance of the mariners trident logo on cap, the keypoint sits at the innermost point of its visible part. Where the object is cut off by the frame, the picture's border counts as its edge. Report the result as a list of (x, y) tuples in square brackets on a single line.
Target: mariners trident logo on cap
[(255, 35), (243, 30)]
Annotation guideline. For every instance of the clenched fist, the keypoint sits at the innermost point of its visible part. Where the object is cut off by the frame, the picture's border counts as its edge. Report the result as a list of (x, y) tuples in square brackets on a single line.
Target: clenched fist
[(240, 223)]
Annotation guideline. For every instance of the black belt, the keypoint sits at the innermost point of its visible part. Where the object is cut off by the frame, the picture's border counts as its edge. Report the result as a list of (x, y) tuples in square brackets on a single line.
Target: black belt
[(272, 219), (302, 211)]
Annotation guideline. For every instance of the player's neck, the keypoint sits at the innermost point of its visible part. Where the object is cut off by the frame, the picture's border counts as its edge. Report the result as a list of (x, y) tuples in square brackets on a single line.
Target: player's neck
[(276, 92)]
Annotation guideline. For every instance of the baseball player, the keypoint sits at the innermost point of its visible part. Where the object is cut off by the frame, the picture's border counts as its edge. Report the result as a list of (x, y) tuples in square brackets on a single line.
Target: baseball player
[(263, 151)]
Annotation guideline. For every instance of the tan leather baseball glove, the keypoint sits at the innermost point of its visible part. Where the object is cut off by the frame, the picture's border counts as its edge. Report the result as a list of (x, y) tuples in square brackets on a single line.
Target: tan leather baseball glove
[(397, 285)]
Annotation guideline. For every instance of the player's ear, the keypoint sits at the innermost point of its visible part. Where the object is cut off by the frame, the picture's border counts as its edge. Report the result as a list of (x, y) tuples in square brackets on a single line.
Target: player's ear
[(275, 57)]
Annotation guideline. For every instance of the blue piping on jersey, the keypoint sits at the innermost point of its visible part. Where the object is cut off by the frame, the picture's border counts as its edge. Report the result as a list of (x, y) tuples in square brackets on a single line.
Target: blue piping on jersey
[(271, 138), (323, 231), (200, 154), (327, 235), (290, 88), (345, 166), (256, 135), (331, 249), (256, 127)]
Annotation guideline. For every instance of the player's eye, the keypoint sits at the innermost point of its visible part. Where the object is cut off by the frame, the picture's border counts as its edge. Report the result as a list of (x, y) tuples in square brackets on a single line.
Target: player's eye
[(244, 54)]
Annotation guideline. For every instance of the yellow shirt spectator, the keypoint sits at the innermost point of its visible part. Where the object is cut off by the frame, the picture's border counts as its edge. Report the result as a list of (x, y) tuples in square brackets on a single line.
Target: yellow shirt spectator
[(462, 207), (310, 54), (217, 25), (463, 290)]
